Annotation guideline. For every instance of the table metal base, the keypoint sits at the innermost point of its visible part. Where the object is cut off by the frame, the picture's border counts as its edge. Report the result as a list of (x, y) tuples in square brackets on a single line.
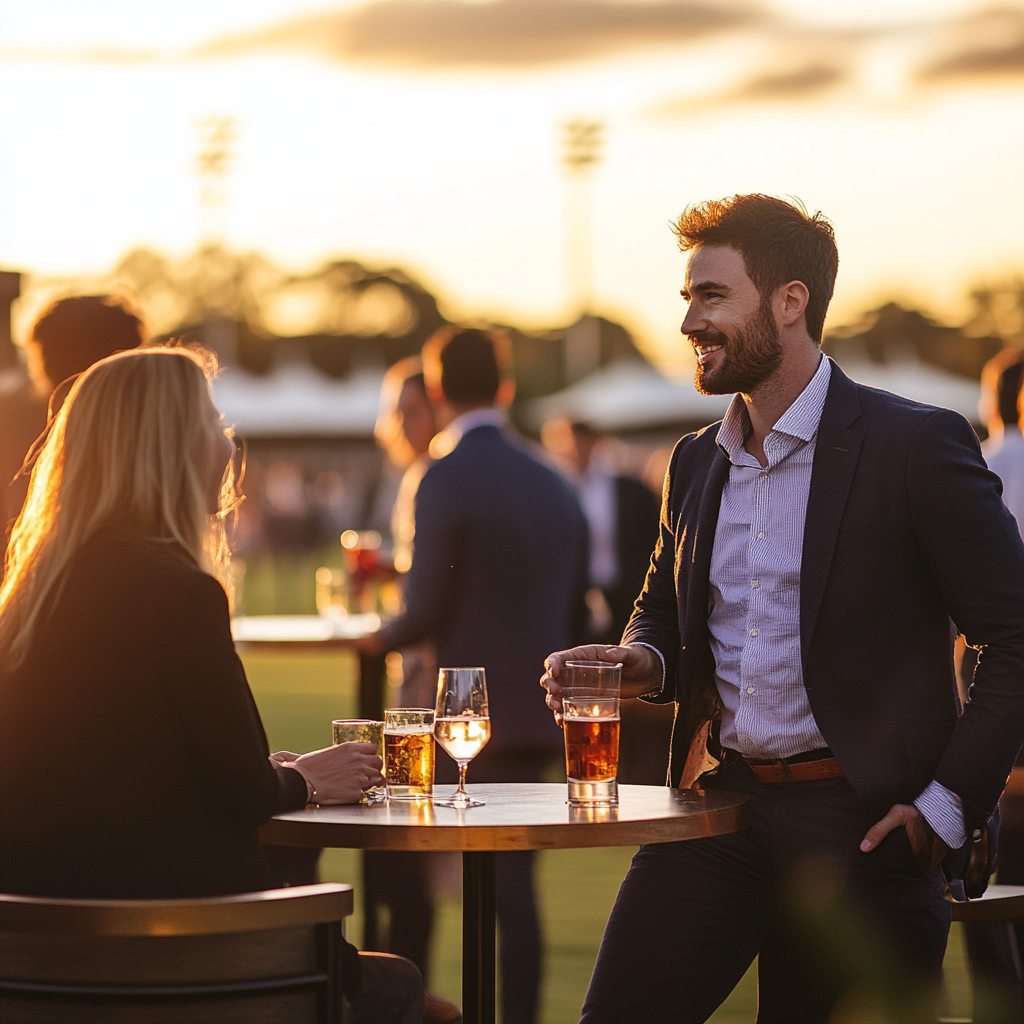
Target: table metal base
[(478, 942)]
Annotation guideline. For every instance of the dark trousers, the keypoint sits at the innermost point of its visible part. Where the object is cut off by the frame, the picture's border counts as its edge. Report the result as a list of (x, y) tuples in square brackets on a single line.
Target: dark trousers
[(827, 920), (397, 881)]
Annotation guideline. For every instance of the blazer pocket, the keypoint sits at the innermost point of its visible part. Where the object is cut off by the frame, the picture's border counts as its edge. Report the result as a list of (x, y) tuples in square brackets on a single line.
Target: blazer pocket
[(865, 533)]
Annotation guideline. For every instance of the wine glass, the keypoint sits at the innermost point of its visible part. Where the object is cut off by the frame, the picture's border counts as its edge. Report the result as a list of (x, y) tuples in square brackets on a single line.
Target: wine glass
[(462, 723)]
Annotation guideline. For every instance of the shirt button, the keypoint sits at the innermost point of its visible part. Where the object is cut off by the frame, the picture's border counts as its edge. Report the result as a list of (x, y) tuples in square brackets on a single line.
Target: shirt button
[(755, 583), (753, 632), (760, 536), (751, 689)]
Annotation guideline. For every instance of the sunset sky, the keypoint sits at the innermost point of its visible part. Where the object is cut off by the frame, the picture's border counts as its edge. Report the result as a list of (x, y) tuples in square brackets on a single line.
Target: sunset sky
[(426, 134)]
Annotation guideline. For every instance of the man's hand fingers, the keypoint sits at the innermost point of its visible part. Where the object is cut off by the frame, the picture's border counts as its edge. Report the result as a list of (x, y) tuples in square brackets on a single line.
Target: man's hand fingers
[(589, 652), (881, 829)]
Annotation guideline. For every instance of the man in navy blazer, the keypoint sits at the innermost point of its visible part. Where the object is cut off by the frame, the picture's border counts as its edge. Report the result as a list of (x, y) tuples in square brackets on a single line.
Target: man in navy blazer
[(498, 579), (822, 522)]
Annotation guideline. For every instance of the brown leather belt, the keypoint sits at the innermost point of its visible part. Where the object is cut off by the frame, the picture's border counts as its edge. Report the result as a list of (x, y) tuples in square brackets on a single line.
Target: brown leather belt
[(802, 771)]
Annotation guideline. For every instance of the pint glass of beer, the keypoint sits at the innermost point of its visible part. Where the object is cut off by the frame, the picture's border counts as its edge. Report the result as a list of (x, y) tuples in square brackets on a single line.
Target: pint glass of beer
[(409, 753), (590, 722), (363, 730)]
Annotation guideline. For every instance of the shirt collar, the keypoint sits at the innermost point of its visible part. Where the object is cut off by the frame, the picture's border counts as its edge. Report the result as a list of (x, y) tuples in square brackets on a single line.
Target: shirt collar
[(800, 420), (446, 441)]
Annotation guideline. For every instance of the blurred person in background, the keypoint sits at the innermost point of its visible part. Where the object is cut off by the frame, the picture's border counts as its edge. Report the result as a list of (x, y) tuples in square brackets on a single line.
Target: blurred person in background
[(994, 948), (999, 409), (67, 338), (499, 568), (397, 880), (122, 702), (622, 516)]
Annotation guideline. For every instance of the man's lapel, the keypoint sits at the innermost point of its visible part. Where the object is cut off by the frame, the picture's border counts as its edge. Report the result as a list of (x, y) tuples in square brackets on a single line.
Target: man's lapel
[(835, 461), (704, 542)]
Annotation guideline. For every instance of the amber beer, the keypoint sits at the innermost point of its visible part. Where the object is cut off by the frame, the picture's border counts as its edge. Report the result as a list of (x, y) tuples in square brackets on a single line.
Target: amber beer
[(591, 728), (591, 749), (409, 753)]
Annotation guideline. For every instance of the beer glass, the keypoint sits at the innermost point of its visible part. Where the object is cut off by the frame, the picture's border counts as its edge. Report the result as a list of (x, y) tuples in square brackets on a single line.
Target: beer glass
[(409, 753), (462, 724), (590, 723), (363, 730)]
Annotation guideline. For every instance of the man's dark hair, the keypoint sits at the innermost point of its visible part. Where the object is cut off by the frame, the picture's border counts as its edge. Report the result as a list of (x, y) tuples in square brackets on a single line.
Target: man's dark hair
[(1003, 375), (467, 363), (74, 333), (779, 242)]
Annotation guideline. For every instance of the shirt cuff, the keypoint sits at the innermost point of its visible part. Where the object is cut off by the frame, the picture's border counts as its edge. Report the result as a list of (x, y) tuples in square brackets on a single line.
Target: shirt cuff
[(943, 810), (661, 657)]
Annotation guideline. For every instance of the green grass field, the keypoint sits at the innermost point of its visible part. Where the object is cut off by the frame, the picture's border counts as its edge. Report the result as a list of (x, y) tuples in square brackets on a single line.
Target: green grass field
[(298, 695)]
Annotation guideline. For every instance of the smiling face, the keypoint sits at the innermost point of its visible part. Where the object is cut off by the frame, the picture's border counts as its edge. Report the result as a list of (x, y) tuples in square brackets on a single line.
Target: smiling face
[(733, 332)]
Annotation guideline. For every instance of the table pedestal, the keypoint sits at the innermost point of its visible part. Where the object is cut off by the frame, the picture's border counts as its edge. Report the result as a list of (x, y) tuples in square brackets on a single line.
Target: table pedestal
[(478, 919)]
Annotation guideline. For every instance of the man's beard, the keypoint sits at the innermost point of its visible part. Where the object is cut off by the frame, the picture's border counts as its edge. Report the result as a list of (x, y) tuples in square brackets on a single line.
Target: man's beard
[(749, 356)]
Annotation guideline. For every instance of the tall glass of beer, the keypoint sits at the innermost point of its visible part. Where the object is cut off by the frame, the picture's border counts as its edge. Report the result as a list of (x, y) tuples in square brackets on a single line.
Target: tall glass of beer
[(363, 730), (590, 723), (409, 753)]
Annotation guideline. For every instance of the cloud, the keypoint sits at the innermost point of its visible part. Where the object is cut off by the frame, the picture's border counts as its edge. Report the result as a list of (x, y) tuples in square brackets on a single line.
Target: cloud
[(805, 82), (986, 45), (508, 32)]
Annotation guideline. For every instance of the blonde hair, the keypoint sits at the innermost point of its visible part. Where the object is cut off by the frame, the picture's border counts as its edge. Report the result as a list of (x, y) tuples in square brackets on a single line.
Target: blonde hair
[(126, 448)]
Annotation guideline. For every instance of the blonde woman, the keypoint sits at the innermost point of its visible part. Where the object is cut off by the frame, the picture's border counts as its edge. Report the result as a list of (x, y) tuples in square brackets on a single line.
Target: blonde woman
[(133, 763)]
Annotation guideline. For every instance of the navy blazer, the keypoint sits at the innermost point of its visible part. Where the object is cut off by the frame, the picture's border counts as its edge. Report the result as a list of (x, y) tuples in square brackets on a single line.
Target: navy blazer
[(498, 576), (905, 531)]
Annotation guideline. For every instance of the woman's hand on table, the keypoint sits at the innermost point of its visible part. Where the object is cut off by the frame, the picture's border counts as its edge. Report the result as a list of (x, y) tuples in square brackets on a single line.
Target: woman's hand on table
[(641, 670), (339, 775)]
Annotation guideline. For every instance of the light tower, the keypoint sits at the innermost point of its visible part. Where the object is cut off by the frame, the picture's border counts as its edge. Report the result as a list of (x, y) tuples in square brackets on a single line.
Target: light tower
[(582, 142), (217, 135), (214, 158)]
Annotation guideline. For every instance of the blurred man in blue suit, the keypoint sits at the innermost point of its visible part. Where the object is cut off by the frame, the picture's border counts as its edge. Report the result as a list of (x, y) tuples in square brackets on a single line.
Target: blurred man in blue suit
[(498, 577)]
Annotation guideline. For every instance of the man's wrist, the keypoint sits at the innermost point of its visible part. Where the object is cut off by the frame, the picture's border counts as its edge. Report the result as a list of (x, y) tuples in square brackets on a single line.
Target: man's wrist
[(659, 687), (943, 811)]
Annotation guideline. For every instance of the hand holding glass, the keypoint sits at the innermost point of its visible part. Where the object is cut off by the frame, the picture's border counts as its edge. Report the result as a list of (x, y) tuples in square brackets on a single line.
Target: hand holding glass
[(362, 730), (462, 723)]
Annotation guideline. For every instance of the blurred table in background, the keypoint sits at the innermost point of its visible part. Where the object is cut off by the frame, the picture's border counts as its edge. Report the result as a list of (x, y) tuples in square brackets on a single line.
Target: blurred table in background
[(319, 633)]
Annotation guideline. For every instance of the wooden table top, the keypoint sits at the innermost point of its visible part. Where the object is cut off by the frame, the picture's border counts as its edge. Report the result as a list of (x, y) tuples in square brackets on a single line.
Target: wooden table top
[(516, 816)]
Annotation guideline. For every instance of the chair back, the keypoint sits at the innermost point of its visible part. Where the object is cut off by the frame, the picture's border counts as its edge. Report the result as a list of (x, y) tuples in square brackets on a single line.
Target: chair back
[(268, 957)]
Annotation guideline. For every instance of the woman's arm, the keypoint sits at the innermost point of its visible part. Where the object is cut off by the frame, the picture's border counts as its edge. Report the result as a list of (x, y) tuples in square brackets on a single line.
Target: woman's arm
[(224, 738)]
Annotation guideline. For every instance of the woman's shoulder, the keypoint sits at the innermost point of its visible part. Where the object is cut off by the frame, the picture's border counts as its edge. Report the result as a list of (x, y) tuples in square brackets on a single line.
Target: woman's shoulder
[(149, 569)]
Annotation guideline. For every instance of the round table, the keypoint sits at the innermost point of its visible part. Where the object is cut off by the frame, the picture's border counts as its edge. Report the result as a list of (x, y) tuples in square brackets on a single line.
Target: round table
[(514, 817)]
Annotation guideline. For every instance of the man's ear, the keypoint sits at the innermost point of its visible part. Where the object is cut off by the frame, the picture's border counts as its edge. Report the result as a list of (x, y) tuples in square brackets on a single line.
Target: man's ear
[(792, 302), (506, 392)]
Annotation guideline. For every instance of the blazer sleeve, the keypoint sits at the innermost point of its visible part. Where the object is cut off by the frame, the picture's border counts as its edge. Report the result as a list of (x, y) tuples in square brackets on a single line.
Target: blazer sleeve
[(655, 619), (431, 577), (973, 551), (208, 692)]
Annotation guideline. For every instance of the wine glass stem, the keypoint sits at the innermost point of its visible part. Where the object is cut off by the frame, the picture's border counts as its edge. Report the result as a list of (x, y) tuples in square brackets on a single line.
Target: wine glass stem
[(461, 791)]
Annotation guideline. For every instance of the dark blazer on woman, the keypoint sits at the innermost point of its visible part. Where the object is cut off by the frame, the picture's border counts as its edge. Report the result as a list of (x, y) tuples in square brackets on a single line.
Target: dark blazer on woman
[(133, 762), (905, 531)]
